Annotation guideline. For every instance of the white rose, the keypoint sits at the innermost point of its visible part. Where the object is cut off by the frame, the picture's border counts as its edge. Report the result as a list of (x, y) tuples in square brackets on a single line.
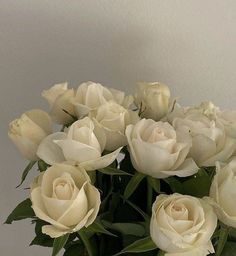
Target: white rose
[(223, 192), (29, 130), (64, 197), (79, 146), (153, 99), (182, 225), (60, 99), (156, 149), (111, 120), (90, 96), (210, 142)]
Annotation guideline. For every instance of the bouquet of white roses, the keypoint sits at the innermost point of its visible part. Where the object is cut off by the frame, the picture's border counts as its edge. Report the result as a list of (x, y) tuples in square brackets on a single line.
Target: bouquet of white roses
[(128, 175)]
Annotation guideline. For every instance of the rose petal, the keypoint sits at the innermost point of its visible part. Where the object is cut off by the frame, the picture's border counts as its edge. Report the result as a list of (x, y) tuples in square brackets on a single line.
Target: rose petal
[(101, 162), (224, 155), (49, 151), (76, 211), (40, 210), (53, 232), (76, 151)]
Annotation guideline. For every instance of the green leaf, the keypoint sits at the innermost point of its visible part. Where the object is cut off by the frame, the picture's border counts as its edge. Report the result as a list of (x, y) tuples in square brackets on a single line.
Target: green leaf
[(113, 171), (41, 239), (59, 243), (175, 185), (155, 184), (232, 234), (90, 246), (97, 227), (198, 185), (229, 249), (133, 184), (42, 165), (142, 245), (74, 250), (126, 228), (22, 211), (224, 232), (26, 171)]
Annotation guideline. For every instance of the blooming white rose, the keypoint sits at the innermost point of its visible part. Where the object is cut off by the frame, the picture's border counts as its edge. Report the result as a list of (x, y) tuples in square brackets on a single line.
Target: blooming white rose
[(60, 99), (78, 146), (153, 99), (156, 149), (64, 197), (223, 192), (111, 120), (29, 130), (182, 225), (210, 142), (90, 96)]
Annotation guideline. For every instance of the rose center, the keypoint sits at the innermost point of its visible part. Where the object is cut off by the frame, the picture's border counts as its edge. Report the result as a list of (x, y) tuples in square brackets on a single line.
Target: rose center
[(63, 187), (156, 135)]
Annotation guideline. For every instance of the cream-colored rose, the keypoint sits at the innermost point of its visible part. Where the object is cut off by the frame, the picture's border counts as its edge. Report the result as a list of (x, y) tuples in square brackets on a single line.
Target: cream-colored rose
[(182, 225), (60, 99), (29, 130), (79, 146), (111, 120), (206, 108), (156, 149), (210, 142), (223, 192), (153, 99), (64, 197), (90, 96)]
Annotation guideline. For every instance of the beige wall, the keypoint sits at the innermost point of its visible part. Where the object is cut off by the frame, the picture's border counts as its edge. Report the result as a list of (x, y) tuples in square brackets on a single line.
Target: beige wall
[(188, 44)]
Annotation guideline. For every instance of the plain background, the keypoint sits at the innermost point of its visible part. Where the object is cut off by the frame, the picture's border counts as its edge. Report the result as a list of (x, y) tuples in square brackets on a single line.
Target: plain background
[(188, 44)]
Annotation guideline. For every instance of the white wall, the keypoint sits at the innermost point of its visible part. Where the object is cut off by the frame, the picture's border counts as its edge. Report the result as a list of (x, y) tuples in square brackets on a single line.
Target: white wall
[(188, 44)]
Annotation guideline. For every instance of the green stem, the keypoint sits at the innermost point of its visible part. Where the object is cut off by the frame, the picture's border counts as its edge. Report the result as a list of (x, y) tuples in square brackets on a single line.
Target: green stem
[(90, 247), (223, 235), (149, 198)]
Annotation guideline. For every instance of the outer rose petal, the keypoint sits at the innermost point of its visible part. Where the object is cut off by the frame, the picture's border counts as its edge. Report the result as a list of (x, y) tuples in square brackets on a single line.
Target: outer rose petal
[(153, 159), (188, 168), (41, 118), (55, 91), (80, 109), (222, 215), (225, 154), (40, 210), (49, 151), (26, 147), (101, 162), (63, 102), (199, 251), (52, 231), (114, 140), (76, 151), (94, 202)]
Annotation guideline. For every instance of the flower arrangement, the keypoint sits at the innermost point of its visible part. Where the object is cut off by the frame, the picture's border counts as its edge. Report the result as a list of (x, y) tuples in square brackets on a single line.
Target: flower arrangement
[(126, 175)]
